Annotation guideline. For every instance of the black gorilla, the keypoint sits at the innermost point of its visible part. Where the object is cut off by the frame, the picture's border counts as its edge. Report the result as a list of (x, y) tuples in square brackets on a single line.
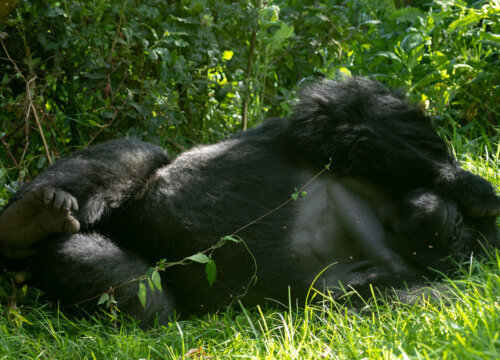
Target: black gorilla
[(394, 204)]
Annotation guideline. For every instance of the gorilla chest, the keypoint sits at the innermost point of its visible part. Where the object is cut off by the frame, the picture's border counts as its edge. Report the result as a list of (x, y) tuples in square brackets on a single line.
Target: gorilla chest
[(329, 220)]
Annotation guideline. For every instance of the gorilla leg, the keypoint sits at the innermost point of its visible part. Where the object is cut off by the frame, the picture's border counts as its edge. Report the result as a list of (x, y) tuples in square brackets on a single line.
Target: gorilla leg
[(91, 184), (74, 269), (102, 177)]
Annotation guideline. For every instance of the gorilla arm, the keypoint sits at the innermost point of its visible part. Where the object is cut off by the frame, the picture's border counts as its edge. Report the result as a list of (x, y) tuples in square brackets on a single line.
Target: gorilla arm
[(77, 191), (361, 214), (347, 222)]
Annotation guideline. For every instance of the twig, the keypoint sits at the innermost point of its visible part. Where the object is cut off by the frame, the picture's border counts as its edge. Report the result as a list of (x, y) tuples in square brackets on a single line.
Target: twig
[(102, 127), (251, 50), (122, 14), (31, 107), (10, 59), (9, 152), (175, 145), (30, 104)]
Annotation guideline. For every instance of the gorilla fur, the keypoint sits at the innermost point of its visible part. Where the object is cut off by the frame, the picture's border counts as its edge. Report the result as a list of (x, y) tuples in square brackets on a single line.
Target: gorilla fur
[(394, 204)]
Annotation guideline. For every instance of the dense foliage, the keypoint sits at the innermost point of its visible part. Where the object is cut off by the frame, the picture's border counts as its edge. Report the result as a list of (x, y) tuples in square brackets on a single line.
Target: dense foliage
[(183, 72), (178, 73)]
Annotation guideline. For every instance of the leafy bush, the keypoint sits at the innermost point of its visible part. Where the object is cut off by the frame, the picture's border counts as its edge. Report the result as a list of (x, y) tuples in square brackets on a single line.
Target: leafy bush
[(184, 72)]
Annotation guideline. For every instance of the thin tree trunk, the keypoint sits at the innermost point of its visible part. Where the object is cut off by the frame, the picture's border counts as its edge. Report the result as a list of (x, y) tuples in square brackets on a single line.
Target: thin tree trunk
[(251, 51)]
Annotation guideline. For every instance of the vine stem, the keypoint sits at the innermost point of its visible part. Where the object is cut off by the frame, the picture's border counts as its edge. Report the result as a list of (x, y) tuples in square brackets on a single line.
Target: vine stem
[(186, 260), (279, 206)]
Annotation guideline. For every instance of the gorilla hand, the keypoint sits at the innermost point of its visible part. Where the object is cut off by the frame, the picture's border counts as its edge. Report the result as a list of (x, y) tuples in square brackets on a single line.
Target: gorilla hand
[(474, 195)]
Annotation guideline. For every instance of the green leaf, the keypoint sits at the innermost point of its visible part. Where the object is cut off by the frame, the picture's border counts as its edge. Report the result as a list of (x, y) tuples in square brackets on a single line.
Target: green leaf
[(427, 79), (284, 32), (227, 55), (42, 160), (470, 19), (161, 263), (151, 285), (406, 14), (495, 38), (440, 59), (389, 55), (104, 298), (3, 177), (156, 278), (415, 56), (140, 109), (110, 301), (344, 71), (211, 271), (411, 41), (180, 43), (199, 258), (142, 294), (95, 76), (277, 41), (327, 166), (150, 272), (230, 238)]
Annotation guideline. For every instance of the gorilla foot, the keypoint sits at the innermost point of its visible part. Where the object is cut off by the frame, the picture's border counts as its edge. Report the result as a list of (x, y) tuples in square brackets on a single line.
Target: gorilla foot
[(41, 212)]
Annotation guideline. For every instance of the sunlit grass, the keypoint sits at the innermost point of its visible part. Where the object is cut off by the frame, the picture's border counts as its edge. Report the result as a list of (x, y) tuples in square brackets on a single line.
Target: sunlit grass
[(461, 323)]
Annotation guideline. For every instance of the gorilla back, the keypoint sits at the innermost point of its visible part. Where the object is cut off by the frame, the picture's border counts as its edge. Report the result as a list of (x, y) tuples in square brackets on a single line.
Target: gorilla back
[(394, 203)]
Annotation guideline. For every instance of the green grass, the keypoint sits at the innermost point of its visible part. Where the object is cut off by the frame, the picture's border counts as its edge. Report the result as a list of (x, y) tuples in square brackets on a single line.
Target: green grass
[(463, 322)]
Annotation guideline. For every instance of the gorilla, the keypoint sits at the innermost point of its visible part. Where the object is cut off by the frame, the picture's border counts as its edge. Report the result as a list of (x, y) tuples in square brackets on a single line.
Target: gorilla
[(394, 207)]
